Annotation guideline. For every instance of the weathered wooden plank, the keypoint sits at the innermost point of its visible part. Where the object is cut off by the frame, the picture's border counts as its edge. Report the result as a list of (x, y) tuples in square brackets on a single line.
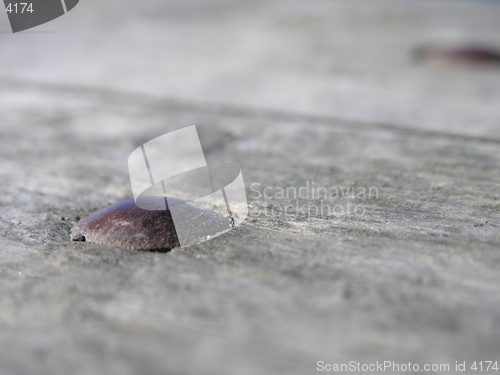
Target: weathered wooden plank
[(407, 269)]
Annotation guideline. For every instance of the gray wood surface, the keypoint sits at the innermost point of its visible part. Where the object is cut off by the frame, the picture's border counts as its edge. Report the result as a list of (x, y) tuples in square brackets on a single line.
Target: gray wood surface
[(297, 92)]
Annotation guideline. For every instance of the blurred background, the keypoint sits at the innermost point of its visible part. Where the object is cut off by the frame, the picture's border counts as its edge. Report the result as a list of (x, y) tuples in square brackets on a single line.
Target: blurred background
[(345, 59)]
